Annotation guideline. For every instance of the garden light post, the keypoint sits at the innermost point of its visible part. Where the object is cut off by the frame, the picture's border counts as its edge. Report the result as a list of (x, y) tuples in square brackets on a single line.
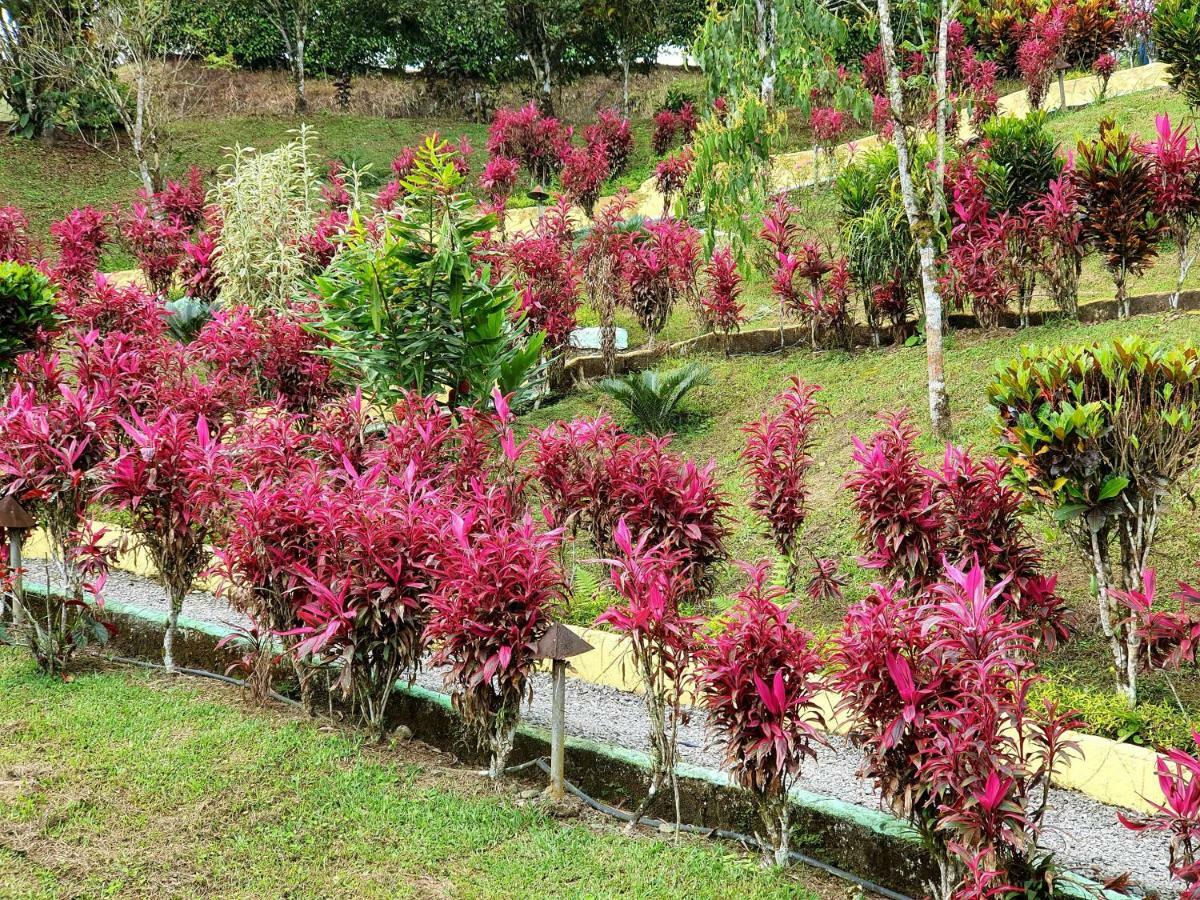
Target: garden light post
[(558, 644), (15, 521), (539, 195)]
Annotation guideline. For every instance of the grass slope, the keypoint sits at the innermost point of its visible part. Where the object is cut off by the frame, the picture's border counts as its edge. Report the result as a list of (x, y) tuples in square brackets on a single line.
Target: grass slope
[(856, 388), (121, 783)]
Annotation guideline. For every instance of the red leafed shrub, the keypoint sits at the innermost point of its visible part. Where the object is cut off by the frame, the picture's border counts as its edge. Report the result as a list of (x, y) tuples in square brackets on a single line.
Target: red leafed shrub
[(15, 243), (169, 478), (817, 289), (666, 127), (671, 175), (497, 594), (980, 271), (1175, 158), (757, 680), (569, 464), (584, 171), (780, 232), (377, 549), (320, 245), (500, 177), (197, 267), (1167, 639), (777, 457), (405, 162), (1179, 778), (936, 688), (546, 274), (914, 522), (594, 476), (156, 240), (720, 301), (1054, 218), (536, 140), (81, 238), (54, 436), (272, 352), (184, 201), (108, 308), (828, 124), (612, 132), (659, 265), (1103, 68), (1038, 57), (663, 642)]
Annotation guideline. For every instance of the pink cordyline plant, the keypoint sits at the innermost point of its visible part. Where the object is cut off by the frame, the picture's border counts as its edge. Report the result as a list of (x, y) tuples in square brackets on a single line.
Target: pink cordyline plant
[(980, 271), (547, 277), (499, 177), (169, 478), (81, 238), (584, 171), (1040, 55), (1179, 779), (497, 594), (184, 201), (780, 232), (1054, 218), (659, 266), (534, 139), (1175, 159), (156, 240), (364, 603), (1103, 68), (1166, 639), (777, 457), (914, 522), (936, 686), (720, 299), (599, 256), (15, 242), (671, 176), (758, 682), (54, 437), (828, 124), (612, 131), (108, 308), (663, 642), (197, 267)]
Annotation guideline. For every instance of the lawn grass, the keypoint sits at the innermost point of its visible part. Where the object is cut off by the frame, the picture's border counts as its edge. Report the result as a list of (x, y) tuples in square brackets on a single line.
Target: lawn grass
[(122, 783), (856, 388)]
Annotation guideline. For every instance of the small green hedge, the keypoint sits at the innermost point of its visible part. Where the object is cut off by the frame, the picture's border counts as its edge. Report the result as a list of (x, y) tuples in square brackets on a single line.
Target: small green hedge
[(1153, 723)]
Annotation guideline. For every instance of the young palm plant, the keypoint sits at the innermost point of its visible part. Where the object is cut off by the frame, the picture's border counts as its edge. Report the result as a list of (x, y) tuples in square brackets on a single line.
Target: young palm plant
[(653, 397)]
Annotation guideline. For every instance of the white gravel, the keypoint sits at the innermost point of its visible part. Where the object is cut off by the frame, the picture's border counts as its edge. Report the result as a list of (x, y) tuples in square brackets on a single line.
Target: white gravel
[(1084, 833)]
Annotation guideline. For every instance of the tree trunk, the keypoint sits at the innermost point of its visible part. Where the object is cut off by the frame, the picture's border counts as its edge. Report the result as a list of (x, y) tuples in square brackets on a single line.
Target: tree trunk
[(1062, 92), (301, 102), (625, 81), (1183, 241), (176, 598), (921, 226), (765, 22)]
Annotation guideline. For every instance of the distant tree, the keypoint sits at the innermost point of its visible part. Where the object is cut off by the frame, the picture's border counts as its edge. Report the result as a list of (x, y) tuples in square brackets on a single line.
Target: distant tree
[(549, 31)]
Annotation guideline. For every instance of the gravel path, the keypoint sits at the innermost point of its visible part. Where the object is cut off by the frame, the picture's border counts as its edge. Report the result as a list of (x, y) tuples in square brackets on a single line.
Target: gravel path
[(1083, 832)]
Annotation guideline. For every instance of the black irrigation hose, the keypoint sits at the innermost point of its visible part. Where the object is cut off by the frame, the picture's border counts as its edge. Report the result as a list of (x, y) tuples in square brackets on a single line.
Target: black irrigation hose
[(201, 673), (577, 792), (745, 839)]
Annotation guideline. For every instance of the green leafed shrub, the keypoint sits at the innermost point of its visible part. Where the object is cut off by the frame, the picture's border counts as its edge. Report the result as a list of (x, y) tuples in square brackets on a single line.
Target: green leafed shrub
[(1176, 30), (268, 202), (654, 398), (26, 306), (406, 306), (1021, 160), (1101, 436)]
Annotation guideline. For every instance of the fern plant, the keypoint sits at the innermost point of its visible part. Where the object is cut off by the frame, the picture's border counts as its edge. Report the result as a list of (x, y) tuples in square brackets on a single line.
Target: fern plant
[(654, 398)]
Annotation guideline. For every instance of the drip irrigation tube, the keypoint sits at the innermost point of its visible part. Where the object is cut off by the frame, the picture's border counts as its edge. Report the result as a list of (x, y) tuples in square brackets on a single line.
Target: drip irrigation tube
[(201, 673), (578, 793), (745, 839)]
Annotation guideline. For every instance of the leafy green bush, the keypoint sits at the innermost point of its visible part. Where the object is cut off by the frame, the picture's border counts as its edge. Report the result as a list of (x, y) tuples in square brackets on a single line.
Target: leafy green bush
[(654, 398), (405, 305), (1021, 160), (1176, 30), (26, 305), (1158, 724), (1101, 436)]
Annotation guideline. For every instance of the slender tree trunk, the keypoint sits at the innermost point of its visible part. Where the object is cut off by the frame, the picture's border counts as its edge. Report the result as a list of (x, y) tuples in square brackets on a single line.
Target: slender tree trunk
[(139, 129), (766, 20), (301, 102), (176, 598), (1183, 240), (1062, 91), (625, 81), (921, 226)]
